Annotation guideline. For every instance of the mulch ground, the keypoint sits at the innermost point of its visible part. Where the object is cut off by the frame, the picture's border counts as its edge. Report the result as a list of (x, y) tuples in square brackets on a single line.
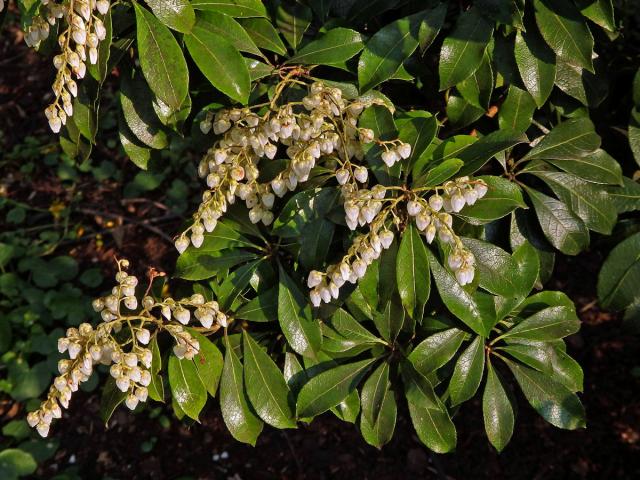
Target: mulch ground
[(139, 447)]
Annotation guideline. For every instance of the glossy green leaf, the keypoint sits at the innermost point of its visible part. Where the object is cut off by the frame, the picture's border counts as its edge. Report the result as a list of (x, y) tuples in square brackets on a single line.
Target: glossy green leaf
[(374, 392), (156, 387), (497, 411), (491, 264), (161, 58), (382, 430), (625, 198), (330, 387), (234, 8), (599, 12), (176, 14), (536, 64), (266, 386), (303, 208), (186, 387), (264, 34), (220, 62), (503, 197), (564, 230), (111, 397), (348, 327), (236, 283), (208, 362), (477, 88), (436, 350), (516, 112), (263, 308), (292, 20), (461, 113), (412, 270), (229, 28), (379, 119), (336, 46), (548, 324), (440, 173), (418, 130), (242, 422), (597, 167), (588, 88), (570, 139), (476, 155), (463, 50), (294, 314), (468, 372), (565, 31), (552, 400), (619, 276)]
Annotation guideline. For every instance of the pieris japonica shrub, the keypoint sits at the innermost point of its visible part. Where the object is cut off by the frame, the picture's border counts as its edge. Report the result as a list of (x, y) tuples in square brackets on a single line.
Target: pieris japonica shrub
[(385, 186)]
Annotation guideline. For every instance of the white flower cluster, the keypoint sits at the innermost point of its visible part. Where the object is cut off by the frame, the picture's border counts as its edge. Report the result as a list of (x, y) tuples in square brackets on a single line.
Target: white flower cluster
[(322, 125), (78, 42), (129, 355)]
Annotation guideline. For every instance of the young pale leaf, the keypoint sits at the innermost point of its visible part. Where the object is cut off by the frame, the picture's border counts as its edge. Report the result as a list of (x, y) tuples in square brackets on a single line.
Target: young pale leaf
[(619, 277), (186, 387), (233, 8), (568, 140), (564, 29), (294, 313), (266, 386), (412, 270), (381, 432), (242, 423), (467, 373), (336, 46), (436, 350), (497, 411), (387, 49), (220, 62), (176, 14), (536, 64), (561, 226), (457, 300), (463, 50), (330, 387), (552, 400), (161, 58), (374, 392)]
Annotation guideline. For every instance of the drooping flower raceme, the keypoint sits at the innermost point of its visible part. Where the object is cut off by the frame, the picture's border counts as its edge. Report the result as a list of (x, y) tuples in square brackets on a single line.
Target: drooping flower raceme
[(122, 341)]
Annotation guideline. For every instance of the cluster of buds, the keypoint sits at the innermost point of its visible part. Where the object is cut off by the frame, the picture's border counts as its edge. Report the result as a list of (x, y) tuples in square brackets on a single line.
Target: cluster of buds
[(462, 191), (394, 151), (78, 43), (121, 340), (322, 126)]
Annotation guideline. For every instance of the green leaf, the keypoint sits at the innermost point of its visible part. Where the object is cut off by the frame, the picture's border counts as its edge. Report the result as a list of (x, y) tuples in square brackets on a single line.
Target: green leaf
[(431, 25), (436, 350), (467, 373), (389, 323), (548, 324), (536, 64), (234, 8), (374, 392), (570, 139), (110, 399), (302, 209), (419, 130), (497, 411), (552, 400), (336, 46), (220, 62), (619, 276), (292, 20), (264, 34), (516, 113), (477, 88), (491, 263), (241, 421), (503, 197), (534, 354), (566, 370), (156, 387), (564, 30), (599, 12), (457, 300), (586, 87), (266, 386), (263, 308), (379, 119), (625, 198), (208, 362), (480, 152), (161, 58), (463, 50), (412, 270), (381, 432), (353, 331), (440, 173), (461, 113), (186, 387), (199, 264), (16, 463), (294, 314), (100, 69), (634, 133), (564, 230), (387, 49), (315, 243), (330, 387), (176, 14), (229, 28), (597, 167)]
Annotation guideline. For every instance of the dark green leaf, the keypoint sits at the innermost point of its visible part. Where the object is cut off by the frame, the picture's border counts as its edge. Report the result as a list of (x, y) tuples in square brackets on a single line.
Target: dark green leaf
[(477, 88), (570, 139), (334, 47), (263, 308), (435, 351), (156, 387), (176, 14), (112, 396), (536, 64), (597, 167), (292, 20), (467, 373), (234, 8), (374, 392), (264, 34), (229, 28), (503, 196), (516, 113), (381, 432), (412, 270), (480, 152), (497, 411), (208, 362), (619, 277), (186, 387)]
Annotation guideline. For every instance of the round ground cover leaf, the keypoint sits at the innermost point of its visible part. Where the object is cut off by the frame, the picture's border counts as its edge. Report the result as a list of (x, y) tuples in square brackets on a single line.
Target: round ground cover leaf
[(220, 62), (176, 14), (242, 422), (552, 400), (330, 387), (565, 31), (336, 46), (463, 50), (16, 463), (385, 52), (536, 64), (161, 58), (570, 139), (619, 277), (497, 411), (266, 386)]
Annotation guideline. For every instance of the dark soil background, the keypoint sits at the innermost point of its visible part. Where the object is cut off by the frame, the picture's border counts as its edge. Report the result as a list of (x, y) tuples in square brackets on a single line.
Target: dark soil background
[(140, 447)]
